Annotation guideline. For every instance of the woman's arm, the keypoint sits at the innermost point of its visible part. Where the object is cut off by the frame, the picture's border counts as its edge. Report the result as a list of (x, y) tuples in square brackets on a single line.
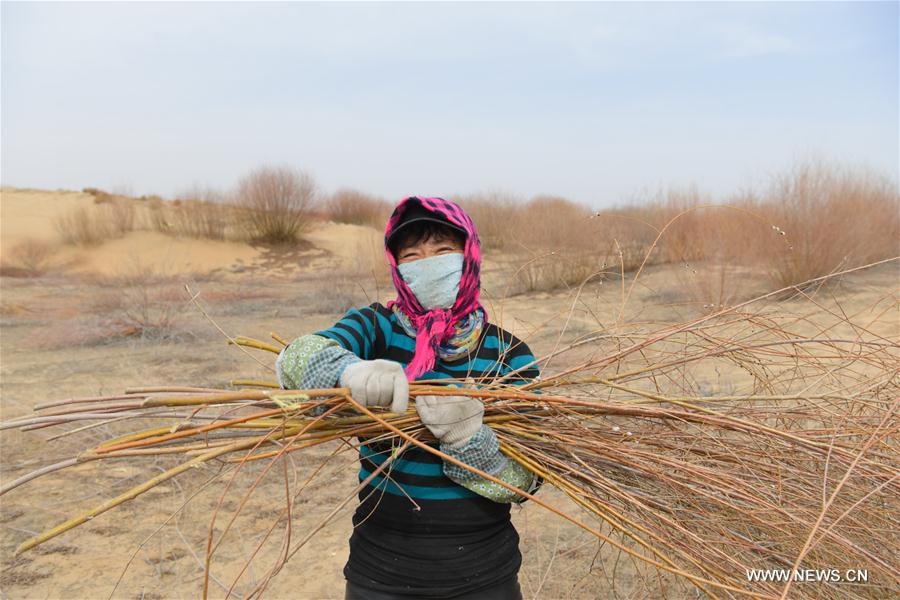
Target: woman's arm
[(317, 360), (312, 362), (344, 355), (482, 451)]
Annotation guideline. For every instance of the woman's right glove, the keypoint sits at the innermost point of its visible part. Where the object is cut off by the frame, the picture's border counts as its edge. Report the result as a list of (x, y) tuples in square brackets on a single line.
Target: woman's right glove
[(377, 383)]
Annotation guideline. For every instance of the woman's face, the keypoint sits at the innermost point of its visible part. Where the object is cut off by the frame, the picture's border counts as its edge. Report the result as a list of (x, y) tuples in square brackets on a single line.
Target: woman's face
[(426, 248)]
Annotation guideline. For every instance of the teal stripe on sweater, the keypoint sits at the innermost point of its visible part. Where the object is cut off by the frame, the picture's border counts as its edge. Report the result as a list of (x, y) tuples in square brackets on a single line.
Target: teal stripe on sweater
[(454, 492), (520, 361), (361, 329), (412, 467)]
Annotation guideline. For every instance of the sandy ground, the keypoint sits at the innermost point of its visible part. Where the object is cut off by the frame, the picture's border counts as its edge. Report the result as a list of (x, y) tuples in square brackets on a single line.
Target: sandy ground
[(156, 543)]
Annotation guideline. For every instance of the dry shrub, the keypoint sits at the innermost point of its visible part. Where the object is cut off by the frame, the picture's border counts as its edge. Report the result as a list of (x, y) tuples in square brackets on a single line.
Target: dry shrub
[(200, 213), (276, 204), (142, 303), (552, 222), (28, 258), (139, 311), (133, 311), (551, 243), (560, 244), (357, 208), (812, 220), (158, 217), (203, 220), (85, 226), (495, 215), (120, 215), (100, 196), (203, 213), (826, 218)]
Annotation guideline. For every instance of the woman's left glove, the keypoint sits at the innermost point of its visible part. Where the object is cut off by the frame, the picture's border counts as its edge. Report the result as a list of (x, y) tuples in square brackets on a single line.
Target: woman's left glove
[(452, 419)]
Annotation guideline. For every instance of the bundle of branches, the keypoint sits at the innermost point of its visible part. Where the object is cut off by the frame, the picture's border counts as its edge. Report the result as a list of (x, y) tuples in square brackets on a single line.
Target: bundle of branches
[(797, 471)]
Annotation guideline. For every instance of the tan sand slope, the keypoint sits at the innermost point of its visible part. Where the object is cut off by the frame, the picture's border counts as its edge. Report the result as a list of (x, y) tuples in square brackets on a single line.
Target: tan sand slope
[(31, 215)]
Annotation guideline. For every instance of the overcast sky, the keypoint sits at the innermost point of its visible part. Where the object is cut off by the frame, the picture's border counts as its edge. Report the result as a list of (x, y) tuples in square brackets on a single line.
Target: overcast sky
[(597, 102)]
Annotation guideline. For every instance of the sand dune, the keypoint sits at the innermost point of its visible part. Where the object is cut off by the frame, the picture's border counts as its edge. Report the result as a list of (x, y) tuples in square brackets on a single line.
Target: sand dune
[(31, 215)]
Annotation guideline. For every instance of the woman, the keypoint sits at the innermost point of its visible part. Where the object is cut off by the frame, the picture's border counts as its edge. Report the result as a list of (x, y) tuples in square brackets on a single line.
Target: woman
[(428, 529)]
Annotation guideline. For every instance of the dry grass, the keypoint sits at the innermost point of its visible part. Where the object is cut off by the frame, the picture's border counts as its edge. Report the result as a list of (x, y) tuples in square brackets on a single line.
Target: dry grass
[(554, 270), (91, 226), (551, 243), (198, 213), (809, 221), (143, 303), (120, 215), (494, 214), (196, 219), (81, 227), (814, 219), (357, 208), (830, 218)]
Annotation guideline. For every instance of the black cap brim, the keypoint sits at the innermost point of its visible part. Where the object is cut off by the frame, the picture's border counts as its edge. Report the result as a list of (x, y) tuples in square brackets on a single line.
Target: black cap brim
[(417, 213)]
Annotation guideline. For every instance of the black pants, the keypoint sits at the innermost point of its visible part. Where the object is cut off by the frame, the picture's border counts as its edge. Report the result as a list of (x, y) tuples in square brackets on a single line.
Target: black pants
[(508, 590)]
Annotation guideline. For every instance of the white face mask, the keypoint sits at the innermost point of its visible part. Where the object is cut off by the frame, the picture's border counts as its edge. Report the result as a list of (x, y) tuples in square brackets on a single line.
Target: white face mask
[(434, 280)]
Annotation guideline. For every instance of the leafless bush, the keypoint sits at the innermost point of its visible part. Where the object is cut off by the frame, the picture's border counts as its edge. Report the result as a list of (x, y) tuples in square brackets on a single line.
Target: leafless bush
[(140, 310), (553, 243), (199, 213), (100, 196), (826, 218), (83, 227), (29, 258), (496, 215), (87, 226), (357, 208), (120, 216), (142, 304), (813, 219), (276, 204), (201, 219), (158, 217)]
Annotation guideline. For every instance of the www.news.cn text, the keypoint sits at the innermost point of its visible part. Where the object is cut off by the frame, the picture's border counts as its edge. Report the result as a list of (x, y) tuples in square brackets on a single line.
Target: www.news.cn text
[(808, 575)]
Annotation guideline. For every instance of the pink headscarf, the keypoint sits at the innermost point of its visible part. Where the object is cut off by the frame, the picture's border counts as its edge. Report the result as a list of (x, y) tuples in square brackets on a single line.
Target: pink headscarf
[(435, 326)]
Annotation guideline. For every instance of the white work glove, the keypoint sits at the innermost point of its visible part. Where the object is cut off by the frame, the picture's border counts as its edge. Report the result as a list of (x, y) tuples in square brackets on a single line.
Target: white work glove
[(452, 419), (377, 383)]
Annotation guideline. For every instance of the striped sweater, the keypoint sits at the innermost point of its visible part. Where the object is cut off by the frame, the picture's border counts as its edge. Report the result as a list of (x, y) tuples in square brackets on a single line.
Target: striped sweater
[(423, 528)]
